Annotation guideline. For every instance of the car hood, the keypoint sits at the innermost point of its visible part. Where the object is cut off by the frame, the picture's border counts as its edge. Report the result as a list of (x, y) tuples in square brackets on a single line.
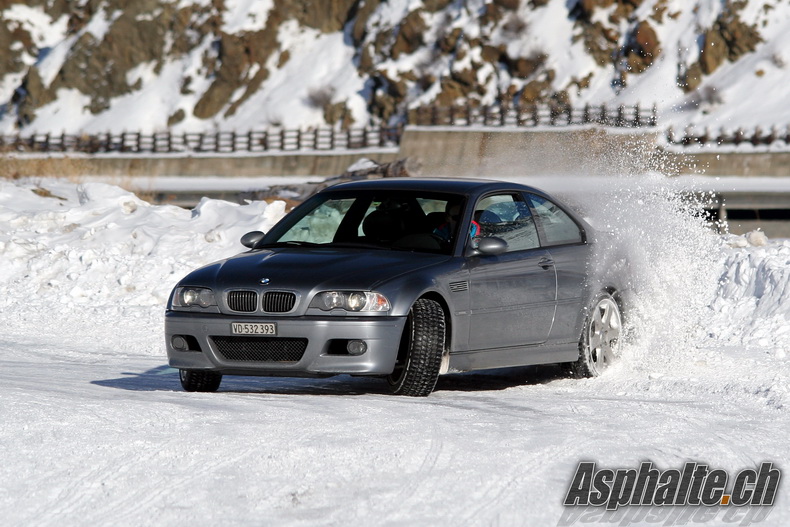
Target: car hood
[(310, 269)]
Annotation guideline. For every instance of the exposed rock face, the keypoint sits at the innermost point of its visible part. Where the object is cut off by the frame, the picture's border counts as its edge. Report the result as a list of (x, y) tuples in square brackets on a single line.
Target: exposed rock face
[(128, 43), (643, 48), (10, 60), (410, 35), (729, 39), (325, 15), (713, 53), (740, 38), (434, 51), (632, 53), (600, 42)]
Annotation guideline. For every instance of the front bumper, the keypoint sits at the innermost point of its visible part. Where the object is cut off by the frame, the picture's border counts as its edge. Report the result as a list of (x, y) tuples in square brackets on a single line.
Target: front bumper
[(382, 334)]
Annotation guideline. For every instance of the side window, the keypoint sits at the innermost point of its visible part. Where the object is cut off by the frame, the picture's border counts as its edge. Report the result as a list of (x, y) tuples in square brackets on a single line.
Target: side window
[(557, 227), (507, 216)]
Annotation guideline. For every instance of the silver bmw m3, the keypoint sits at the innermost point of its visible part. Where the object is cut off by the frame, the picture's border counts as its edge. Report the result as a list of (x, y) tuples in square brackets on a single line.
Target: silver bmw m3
[(404, 279)]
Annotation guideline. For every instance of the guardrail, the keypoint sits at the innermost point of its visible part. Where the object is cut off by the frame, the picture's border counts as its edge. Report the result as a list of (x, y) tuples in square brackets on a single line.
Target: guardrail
[(755, 137), (327, 139), (531, 115), (319, 139), (337, 139)]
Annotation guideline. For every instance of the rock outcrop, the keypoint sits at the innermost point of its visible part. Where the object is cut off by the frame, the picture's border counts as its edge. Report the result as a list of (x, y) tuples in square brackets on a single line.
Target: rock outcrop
[(435, 51)]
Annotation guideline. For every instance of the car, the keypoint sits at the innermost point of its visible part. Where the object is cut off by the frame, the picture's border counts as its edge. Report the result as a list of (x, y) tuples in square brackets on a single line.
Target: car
[(404, 279)]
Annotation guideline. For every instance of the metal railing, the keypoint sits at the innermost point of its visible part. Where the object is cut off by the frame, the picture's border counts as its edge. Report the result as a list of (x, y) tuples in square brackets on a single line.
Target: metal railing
[(319, 139), (724, 137), (532, 115), (337, 139)]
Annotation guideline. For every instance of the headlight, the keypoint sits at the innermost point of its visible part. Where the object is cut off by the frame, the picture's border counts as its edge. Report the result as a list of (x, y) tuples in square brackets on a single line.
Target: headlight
[(351, 301), (194, 297)]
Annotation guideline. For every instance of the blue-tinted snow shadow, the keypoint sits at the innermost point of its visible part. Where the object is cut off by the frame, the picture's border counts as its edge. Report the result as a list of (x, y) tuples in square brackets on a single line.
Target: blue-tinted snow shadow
[(165, 378)]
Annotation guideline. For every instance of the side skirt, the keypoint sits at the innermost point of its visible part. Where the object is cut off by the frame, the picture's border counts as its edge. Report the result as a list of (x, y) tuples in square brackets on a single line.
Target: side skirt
[(516, 356)]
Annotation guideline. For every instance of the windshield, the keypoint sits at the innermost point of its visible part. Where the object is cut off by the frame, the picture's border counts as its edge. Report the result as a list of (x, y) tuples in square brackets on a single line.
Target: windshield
[(393, 220)]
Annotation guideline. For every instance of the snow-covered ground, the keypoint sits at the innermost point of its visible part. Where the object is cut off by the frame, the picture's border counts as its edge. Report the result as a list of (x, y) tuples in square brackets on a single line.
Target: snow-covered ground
[(95, 429)]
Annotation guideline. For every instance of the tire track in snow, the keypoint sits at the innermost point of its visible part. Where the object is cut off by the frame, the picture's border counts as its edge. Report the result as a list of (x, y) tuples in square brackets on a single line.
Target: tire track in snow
[(409, 491)]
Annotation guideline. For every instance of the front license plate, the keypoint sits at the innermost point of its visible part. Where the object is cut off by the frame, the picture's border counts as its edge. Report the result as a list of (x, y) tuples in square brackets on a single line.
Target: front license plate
[(244, 328)]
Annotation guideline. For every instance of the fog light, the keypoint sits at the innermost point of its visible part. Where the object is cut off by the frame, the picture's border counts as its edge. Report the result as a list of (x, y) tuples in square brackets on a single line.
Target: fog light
[(179, 343), (356, 347)]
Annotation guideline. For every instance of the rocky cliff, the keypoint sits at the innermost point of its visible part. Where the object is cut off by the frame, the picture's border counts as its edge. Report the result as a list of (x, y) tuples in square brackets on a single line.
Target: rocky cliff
[(92, 65)]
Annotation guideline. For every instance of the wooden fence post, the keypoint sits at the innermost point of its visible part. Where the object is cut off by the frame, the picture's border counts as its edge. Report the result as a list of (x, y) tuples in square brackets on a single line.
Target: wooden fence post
[(604, 115)]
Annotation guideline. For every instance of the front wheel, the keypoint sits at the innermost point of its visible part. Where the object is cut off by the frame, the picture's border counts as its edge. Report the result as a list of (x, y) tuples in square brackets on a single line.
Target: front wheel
[(200, 381), (600, 343), (420, 354)]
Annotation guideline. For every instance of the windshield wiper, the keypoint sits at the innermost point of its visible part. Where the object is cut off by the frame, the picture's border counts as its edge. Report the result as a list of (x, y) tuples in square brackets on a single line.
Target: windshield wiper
[(356, 245), (289, 243)]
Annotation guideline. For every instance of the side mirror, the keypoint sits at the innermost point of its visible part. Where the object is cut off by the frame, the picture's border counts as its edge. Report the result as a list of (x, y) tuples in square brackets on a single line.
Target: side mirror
[(251, 239), (491, 245)]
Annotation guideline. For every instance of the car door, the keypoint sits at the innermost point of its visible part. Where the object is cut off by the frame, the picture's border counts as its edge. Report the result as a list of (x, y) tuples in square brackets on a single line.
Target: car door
[(565, 242), (512, 295)]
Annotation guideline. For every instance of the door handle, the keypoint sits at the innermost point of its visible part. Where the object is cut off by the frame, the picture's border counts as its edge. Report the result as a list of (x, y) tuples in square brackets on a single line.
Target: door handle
[(545, 262)]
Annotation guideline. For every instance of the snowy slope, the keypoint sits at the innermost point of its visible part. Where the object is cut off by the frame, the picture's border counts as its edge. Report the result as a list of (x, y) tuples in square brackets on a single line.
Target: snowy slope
[(95, 429), (308, 72)]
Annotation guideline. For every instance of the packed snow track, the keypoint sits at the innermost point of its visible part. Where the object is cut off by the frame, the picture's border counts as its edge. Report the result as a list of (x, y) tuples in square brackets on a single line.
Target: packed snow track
[(96, 430)]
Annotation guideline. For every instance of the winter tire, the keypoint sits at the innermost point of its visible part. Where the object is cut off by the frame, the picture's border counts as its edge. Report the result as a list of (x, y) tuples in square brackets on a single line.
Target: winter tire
[(420, 355), (200, 381), (600, 342)]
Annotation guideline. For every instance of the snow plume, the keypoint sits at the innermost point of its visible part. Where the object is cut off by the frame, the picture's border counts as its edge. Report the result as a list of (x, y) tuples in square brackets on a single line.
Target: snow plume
[(673, 263), (653, 231)]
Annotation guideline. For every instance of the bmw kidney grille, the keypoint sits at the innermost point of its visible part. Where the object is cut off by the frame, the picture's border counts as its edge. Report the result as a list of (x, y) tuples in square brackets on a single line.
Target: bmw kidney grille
[(273, 301)]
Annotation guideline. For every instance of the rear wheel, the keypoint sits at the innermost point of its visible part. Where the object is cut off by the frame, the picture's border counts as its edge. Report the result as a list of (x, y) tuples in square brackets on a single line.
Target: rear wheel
[(200, 381), (420, 355), (600, 342)]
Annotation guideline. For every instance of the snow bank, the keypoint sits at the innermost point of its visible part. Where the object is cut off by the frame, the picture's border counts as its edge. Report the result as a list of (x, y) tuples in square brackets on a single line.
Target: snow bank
[(752, 305), (63, 244)]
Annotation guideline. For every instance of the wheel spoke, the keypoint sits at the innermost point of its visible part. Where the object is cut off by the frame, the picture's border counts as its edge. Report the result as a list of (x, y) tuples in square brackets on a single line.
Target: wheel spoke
[(598, 317), (595, 340), (604, 310)]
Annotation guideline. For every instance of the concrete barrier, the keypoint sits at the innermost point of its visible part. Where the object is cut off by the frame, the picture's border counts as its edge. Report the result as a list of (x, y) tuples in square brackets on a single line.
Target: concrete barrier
[(458, 151), (512, 152), (274, 164), (447, 151)]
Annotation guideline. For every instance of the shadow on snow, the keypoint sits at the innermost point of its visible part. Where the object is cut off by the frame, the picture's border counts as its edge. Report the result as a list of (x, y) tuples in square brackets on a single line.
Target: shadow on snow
[(165, 378)]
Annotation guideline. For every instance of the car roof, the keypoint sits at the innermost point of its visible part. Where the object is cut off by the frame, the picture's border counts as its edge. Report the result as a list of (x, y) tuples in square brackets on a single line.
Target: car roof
[(453, 185)]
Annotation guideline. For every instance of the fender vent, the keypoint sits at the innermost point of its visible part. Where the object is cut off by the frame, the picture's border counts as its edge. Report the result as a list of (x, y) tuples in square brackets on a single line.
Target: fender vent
[(459, 287)]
